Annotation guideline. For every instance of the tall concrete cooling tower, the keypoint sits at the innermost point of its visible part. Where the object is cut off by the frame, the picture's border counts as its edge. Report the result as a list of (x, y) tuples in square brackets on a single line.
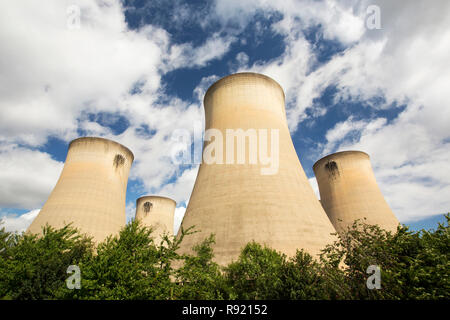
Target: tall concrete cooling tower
[(91, 190), (157, 212), (244, 202), (349, 191)]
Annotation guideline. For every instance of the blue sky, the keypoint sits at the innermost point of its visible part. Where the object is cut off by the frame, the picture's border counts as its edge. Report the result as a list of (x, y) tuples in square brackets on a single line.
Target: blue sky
[(135, 71)]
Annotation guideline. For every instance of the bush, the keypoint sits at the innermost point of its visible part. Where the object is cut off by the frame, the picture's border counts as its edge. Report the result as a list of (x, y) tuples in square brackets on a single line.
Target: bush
[(414, 265), (128, 266), (257, 274), (303, 279), (34, 267), (200, 277)]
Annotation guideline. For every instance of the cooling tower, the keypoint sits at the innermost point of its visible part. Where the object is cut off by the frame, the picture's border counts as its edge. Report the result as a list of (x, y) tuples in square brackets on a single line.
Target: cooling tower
[(91, 189), (349, 191), (158, 213), (243, 202)]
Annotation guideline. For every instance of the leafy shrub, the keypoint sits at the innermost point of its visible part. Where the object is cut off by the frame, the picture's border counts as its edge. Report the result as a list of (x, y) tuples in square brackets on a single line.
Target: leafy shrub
[(414, 265)]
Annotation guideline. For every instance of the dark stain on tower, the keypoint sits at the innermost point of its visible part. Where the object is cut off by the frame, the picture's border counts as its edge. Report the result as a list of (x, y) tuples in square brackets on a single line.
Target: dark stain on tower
[(332, 168), (119, 160), (147, 207)]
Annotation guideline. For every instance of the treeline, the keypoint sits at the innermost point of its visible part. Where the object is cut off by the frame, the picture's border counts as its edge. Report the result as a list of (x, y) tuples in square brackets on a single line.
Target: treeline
[(412, 265)]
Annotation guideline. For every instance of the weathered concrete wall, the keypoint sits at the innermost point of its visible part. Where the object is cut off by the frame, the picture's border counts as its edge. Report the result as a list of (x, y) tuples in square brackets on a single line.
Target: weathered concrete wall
[(156, 212), (237, 202), (349, 191), (91, 189)]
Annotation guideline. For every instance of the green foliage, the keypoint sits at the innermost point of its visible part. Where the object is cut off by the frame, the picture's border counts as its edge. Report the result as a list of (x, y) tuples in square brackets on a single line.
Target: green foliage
[(34, 267), (128, 266), (414, 265), (199, 277), (303, 279), (263, 273), (257, 274), (6, 240)]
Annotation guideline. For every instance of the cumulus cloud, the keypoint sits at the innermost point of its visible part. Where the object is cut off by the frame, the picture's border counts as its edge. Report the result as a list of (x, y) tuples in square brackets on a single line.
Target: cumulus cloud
[(52, 76), (339, 19), (314, 186), (18, 223), (350, 130), (203, 86), (130, 211), (180, 190), (50, 73), (179, 214), (413, 175), (242, 58), (407, 66), (404, 63), (186, 55), (27, 176)]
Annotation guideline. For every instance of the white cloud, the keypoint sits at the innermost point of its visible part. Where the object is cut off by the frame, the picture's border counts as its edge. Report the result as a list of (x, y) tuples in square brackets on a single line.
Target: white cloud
[(52, 76), (405, 62), (27, 176), (18, 223), (339, 20), (181, 189), (314, 186), (186, 55), (179, 214), (51, 73), (242, 59), (343, 130), (153, 152), (130, 211), (410, 154), (412, 170), (203, 86)]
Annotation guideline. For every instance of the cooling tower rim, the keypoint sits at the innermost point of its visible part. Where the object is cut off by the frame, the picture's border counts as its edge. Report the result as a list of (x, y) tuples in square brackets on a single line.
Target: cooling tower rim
[(339, 154), (104, 140), (152, 197), (239, 74)]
